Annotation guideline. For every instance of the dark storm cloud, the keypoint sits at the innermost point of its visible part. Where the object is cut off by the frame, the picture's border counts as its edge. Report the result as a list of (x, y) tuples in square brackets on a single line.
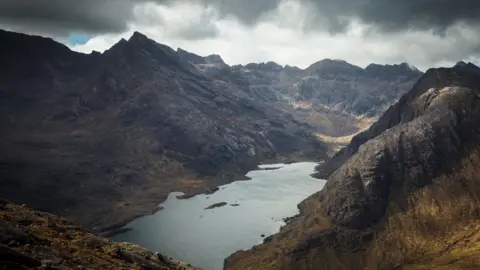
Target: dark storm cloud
[(397, 15), (385, 15), (60, 17), (247, 11), (106, 16)]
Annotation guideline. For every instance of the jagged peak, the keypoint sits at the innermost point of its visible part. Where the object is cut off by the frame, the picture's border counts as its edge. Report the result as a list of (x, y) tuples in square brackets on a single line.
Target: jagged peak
[(403, 67), (180, 50), (411, 67), (333, 63), (328, 61), (464, 66), (214, 59), (149, 49), (291, 67), (190, 57), (197, 59), (138, 36), (96, 53)]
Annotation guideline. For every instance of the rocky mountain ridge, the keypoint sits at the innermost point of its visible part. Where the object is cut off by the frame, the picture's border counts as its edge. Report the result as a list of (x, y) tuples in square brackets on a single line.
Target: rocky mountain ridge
[(401, 195), (330, 95), (142, 120), (103, 138)]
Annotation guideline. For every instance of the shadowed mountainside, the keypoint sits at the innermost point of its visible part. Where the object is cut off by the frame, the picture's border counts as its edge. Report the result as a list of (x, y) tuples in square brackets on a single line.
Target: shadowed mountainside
[(402, 195), (103, 138)]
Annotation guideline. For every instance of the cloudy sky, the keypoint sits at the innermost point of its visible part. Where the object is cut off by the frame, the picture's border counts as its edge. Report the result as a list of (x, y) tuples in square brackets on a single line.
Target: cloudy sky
[(424, 33)]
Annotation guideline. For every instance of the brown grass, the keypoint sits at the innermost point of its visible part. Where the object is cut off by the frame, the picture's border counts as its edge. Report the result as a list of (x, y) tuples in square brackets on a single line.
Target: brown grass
[(439, 230), (439, 217)]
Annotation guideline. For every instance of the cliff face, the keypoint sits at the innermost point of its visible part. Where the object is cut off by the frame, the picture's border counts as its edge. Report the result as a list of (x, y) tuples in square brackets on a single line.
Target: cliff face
[(32, 239), (103, 138), (403, 194)]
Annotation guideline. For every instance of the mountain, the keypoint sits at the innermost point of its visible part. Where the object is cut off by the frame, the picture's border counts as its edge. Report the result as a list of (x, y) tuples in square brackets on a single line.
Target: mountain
[(402, 195), (103, 138), (31, 239), (332, 96)]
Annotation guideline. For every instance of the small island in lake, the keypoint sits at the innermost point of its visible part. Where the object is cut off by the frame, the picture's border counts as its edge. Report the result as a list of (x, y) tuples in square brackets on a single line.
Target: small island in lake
[(215, 205)]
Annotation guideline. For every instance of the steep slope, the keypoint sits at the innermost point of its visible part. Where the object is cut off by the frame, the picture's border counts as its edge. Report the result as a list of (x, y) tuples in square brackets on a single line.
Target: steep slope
[(103, 138), (32, 239), (402, 195)]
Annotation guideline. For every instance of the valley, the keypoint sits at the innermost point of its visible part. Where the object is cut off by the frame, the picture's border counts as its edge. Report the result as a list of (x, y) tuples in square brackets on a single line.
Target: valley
[(107, 141), (106, 137), (205, 229)]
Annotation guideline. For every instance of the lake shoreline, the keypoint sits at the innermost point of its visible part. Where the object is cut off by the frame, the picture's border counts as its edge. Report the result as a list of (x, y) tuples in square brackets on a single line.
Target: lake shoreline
[(249, 211), (116, 228), (152, 206)]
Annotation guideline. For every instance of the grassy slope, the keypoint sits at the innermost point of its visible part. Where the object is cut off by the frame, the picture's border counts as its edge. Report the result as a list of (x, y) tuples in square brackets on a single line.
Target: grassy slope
[(440, 228)]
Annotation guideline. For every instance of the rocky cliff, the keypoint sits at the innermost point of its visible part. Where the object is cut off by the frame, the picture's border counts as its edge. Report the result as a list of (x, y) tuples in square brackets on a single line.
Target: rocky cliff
[(32, 239), (402, 195), (103, 138)]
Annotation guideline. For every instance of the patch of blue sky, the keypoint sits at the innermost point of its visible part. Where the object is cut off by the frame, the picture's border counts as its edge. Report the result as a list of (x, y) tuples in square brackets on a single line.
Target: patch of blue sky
[(78, 38)]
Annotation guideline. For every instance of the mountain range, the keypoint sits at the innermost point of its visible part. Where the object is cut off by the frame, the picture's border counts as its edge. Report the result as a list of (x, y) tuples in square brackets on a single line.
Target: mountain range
[(104, 137)]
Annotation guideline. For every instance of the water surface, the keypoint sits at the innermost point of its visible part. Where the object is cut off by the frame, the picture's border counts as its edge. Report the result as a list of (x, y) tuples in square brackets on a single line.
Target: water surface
[(187, 232)]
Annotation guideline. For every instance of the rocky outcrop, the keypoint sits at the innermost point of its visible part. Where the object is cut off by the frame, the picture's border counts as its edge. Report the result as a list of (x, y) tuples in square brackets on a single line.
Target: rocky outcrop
[(394, 181), (103, 138), (32, 239)]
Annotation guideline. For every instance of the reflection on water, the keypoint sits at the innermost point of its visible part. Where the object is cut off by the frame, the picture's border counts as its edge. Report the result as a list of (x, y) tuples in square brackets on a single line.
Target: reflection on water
[(187, 232)]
